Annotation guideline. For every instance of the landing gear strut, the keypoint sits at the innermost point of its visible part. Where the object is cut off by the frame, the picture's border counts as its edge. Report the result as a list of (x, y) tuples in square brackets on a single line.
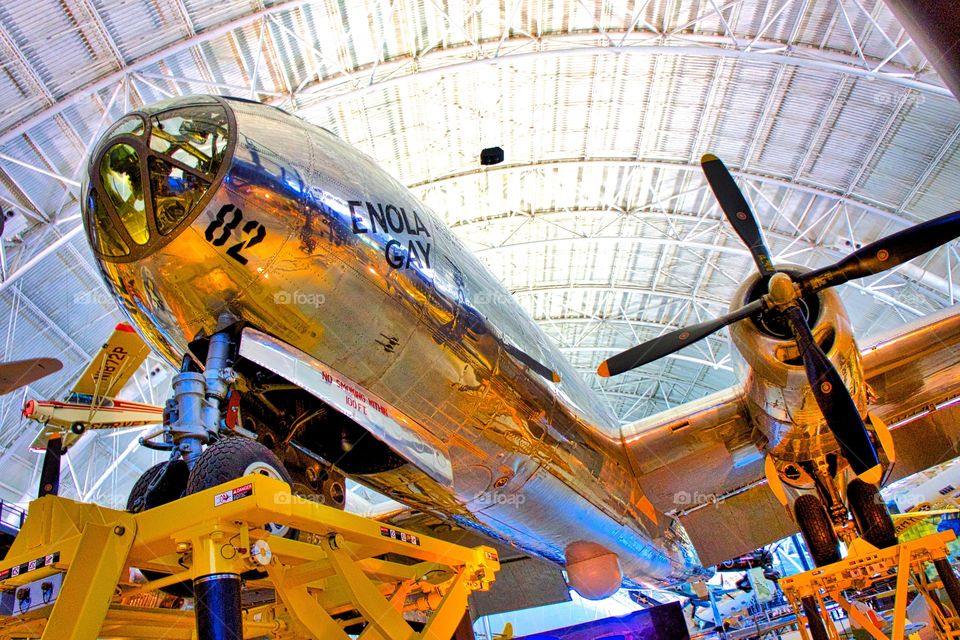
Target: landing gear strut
[(814, 622), (192, 417)]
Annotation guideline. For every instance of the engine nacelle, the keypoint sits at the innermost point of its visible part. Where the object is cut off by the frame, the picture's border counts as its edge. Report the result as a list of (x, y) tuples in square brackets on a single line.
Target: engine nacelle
[(778, 394)]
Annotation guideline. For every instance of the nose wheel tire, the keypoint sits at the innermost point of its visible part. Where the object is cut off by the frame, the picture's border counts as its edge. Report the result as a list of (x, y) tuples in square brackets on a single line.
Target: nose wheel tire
[(814, 621), (870, 514), (169, 487), (817, 530), (232, 458)]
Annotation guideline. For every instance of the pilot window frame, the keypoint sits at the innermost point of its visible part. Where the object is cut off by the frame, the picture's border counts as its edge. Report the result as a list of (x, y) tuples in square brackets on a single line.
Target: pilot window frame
[(140, 142)]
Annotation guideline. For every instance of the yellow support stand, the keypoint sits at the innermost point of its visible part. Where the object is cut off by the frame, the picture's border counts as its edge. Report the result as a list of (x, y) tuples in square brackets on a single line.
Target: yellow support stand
[(866, 565), (343, 570)]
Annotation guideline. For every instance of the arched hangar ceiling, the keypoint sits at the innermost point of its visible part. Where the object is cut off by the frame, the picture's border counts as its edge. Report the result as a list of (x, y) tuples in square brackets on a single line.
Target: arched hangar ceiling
[(599, 220)]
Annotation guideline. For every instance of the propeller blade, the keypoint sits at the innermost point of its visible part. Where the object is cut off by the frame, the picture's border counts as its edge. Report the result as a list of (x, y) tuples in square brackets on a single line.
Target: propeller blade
[(669, 342), (886, 253), (835, 402), (737, 210)]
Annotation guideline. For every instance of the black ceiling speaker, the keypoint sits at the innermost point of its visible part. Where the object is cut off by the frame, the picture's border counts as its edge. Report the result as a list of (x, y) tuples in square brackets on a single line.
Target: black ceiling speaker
[(491, 155)]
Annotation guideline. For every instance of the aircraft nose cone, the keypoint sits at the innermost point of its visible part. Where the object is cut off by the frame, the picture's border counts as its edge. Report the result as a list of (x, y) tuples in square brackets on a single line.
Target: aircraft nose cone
[(29, 408), (152, 173)]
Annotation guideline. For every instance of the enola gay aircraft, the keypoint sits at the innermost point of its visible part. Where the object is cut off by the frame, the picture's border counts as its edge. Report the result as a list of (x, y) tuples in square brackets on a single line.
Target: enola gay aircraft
[(316, 307)]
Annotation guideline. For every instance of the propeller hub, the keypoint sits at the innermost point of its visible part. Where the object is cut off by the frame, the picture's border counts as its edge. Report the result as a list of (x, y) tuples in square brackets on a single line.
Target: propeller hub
[(781, 290)]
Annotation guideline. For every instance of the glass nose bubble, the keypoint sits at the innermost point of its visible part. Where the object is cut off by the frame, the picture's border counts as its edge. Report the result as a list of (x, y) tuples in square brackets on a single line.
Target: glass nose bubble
[(132, 125), (153, 173), (193, 136), (175, 193), (120, 176), (103, 234)]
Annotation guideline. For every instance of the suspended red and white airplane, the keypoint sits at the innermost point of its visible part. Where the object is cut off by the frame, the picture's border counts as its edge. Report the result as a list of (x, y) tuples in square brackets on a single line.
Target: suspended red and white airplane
[(92, 404)]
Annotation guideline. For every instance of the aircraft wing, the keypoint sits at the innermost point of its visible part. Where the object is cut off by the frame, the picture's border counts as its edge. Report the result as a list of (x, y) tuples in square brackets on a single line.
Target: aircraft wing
[(698, 462), (20, 373), (114, 365), (914, 377)]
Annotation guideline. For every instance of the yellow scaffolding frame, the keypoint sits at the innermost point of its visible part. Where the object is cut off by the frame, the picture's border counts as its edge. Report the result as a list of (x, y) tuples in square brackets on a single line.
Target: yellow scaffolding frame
[(343, 569), (865, 565)]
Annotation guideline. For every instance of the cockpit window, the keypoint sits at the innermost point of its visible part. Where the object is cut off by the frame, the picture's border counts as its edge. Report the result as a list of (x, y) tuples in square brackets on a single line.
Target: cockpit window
[(195, 136), (132, 125), (175, 193), (103, 233), (173, 103), (120, 175)]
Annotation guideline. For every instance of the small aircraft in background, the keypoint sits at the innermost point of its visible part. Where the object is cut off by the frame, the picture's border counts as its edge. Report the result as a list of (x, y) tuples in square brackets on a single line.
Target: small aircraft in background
[(20, 373), (92, 404)]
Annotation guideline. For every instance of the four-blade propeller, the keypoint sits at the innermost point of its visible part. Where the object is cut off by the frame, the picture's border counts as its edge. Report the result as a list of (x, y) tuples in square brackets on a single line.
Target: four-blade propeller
[(782, 300)]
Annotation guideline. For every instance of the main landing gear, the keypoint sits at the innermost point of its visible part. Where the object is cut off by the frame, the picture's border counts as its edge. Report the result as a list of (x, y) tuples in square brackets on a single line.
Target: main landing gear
[(826, 517), (811, 594), (820, 520)]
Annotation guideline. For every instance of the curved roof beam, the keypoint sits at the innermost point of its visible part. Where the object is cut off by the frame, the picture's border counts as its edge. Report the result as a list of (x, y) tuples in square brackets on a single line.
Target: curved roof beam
[(658, 214), (556, 46), (824, 191), (673, 356), (146, 61), (921, 277), (625, 326), (733, 250), (625, 288), (564, 45)]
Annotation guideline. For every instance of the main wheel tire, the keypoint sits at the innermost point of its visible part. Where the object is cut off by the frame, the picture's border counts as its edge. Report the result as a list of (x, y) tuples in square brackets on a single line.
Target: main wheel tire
[(950, 583), (814, 621), (231, 458), (870, 514), (817, 530), (170, 488)]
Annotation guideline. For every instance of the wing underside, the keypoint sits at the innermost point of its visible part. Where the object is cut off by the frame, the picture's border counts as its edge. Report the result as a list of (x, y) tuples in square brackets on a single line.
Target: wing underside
[(114, 364), (20, 373)]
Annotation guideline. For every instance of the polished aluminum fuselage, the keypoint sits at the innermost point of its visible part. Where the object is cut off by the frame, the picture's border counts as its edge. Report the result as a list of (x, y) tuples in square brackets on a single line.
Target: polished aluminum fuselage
[(359, 275)]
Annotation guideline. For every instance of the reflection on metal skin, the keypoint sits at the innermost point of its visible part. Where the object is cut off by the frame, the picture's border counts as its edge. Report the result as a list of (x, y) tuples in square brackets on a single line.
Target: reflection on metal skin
[(305, 239)]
